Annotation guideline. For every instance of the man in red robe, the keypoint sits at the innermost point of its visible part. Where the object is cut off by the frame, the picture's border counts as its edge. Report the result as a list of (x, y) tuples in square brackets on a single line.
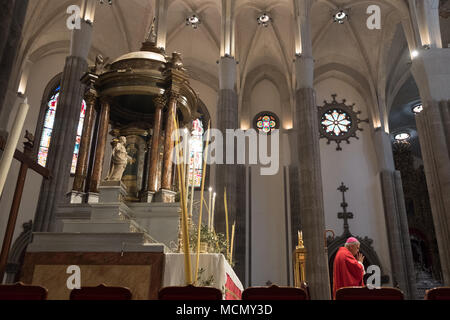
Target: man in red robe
[(348, 270)]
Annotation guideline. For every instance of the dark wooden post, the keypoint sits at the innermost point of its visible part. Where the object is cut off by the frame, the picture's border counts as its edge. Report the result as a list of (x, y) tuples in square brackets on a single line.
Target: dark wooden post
[(101, 145), (160, 102), (83, 157), (27, 162), (169, 144)]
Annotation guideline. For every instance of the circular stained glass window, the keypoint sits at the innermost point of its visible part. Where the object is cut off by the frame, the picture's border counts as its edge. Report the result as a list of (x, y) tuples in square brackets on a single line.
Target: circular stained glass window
[(339, 122), (266, 122), (336, 122)]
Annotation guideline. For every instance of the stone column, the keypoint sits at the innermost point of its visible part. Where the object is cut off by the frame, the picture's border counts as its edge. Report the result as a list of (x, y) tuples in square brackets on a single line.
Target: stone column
[(62, 144), (166, 194), (402, 263), (306, 125), (102, 138), (431, 70), (12, 17), (85, 145), (154, 149), (230, 176), (161, 23)]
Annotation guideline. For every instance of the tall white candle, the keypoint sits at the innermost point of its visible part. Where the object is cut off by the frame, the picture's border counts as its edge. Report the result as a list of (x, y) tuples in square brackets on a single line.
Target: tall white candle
[(192, 193), (187, 158), (11, 145), (209, 206), (212, 211)]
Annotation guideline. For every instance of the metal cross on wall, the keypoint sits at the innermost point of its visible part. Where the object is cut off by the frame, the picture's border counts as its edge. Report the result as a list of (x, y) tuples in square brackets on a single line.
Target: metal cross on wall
[(344, 215)]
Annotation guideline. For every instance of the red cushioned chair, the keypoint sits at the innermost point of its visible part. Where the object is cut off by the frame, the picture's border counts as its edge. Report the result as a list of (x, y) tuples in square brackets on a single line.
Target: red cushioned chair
[(274, 293), (190, 293), (20, 291), (364, 293), (101, 292), (438, 294)]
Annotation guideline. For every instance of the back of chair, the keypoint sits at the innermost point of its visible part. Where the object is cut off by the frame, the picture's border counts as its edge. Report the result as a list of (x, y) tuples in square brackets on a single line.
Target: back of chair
[(274, 293), (364, 293), (190, 293), (20, 291), (438, 294), (101, 292)]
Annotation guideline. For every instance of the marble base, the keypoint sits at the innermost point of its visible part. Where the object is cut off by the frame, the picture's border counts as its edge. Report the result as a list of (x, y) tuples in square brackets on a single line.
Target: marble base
[(93, 197), (147, 197), (93, 242), (112, 191), (76, 197), (165, 196)]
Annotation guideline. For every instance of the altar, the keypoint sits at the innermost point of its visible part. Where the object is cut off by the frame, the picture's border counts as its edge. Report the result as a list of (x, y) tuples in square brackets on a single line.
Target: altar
[(216, 268)]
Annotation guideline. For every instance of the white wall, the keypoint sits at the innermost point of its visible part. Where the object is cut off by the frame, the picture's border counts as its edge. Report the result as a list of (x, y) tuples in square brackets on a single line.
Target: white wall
[(268, 228), (40, 75), (356, 166)]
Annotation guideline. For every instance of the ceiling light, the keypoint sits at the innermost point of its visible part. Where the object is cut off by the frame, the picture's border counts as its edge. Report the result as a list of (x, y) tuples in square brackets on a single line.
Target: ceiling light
[(414, 54), (417, 108), (340, 16), (264, 20), (193, 21), (402, 137)]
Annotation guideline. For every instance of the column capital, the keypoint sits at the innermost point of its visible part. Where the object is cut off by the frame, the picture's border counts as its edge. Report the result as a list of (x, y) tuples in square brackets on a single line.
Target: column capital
[(160, 101), (173, 95), (105, 100), (90, 97)]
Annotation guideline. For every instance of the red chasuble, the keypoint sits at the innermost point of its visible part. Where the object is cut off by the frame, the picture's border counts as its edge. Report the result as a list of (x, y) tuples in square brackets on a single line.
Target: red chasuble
[(347, 271)]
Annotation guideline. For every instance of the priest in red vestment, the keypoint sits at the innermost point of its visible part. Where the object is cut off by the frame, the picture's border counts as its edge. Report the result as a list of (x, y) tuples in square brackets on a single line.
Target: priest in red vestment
[(348, 270)]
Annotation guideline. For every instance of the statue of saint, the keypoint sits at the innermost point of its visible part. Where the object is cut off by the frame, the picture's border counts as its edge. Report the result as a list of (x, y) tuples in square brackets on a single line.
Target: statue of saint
[(119, 160)]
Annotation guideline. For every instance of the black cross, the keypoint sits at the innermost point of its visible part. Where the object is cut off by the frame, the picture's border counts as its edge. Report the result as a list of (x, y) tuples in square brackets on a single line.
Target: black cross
[(345, 215)]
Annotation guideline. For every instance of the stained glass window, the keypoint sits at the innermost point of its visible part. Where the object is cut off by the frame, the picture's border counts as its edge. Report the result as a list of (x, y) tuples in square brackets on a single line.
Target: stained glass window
[(266, 122), (196, 154), (49, 122), (336, 122)]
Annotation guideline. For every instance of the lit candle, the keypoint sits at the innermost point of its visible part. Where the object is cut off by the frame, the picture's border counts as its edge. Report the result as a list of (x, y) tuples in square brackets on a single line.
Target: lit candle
[(209, 206), (12, 142), (212, 211)]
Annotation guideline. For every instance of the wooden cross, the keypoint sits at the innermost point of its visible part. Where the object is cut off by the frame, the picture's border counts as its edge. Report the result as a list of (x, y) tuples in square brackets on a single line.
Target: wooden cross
[(344, 215), (27, 162)]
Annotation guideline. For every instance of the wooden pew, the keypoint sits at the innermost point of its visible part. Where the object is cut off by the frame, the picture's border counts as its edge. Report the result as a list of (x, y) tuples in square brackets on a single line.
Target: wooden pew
[(442, 293), (274, 293), (20, 291), (190, 293), (364, 293), (101, 292)]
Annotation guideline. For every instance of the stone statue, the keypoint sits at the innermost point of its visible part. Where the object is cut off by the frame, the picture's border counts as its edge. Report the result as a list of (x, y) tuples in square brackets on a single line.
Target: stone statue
[(119, 160)]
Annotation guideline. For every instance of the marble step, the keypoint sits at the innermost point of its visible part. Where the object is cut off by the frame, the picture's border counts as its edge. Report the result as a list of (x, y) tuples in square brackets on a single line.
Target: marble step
[(93, 242)]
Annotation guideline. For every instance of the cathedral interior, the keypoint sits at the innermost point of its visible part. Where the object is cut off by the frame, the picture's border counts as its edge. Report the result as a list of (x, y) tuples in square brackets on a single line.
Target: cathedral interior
[(351, 99)]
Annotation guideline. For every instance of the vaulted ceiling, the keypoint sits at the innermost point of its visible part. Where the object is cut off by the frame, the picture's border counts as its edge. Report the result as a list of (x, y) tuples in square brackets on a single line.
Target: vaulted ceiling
[(373, 61)]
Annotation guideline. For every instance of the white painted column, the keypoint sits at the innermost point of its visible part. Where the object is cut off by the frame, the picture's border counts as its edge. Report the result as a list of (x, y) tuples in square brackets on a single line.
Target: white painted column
[(428, 21), (11, 144)]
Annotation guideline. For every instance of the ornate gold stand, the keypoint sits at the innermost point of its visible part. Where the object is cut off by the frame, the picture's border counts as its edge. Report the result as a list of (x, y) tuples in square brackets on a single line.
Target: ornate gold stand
[(300, 263)]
